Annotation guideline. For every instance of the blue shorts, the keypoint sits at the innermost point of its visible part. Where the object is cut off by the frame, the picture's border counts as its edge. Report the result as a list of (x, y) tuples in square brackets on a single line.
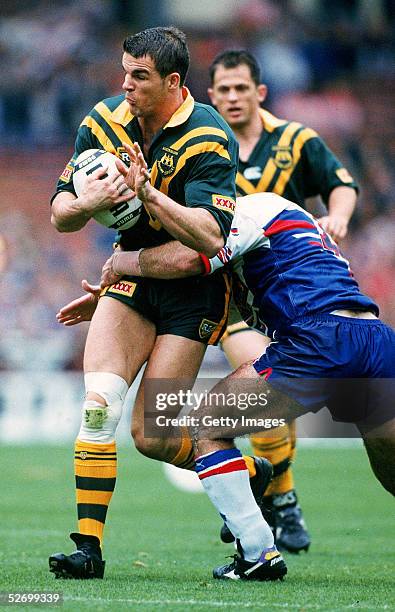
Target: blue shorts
[(343, 363)]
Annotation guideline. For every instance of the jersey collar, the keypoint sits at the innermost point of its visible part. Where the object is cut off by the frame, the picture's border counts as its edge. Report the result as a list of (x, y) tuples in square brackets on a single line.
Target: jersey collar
[(270, 122), (184, 111), (123, 116)]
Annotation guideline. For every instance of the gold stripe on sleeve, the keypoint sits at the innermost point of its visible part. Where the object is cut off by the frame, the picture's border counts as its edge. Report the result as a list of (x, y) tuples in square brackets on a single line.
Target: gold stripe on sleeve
[(201, 131), (98, 131), (197, 149)]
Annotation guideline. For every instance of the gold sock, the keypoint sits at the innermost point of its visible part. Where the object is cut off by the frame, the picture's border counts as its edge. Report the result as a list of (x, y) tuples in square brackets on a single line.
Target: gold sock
[(185, 457), (279, 450), (250, 465), (281, 484), (95, 476)]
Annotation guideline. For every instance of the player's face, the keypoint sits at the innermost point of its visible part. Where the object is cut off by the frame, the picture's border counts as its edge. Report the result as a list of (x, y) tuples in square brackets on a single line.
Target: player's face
[(235, 94), (144, 88)]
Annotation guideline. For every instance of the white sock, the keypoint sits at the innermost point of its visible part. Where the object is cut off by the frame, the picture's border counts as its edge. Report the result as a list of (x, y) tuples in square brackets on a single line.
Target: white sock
[(225, 479)]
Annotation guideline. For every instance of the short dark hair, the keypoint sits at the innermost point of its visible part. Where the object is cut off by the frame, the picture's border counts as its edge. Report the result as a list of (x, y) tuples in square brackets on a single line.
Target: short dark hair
[(233, 58), (166, 46)]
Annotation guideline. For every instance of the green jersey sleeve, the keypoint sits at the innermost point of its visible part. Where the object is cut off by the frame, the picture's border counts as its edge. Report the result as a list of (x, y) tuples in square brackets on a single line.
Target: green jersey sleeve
[(211, 184), (323, 169), (84, 140)]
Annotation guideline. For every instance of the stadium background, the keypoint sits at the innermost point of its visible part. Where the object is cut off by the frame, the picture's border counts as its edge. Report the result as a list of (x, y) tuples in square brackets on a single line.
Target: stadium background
[(329, 65)]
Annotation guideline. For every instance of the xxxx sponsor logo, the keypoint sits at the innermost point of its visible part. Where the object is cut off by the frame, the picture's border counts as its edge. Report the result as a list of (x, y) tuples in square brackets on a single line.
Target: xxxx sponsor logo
[(67, 172), (123, 287), (224, 203)]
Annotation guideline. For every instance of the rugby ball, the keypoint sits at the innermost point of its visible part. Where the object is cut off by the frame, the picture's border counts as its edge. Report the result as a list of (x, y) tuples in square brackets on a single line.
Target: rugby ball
[(121, 216)]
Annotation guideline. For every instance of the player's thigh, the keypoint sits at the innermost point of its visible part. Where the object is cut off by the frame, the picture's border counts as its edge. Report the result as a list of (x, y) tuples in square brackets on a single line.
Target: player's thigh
[(380, 447), (279, 405), (245, 383), (119, 340), (175, 360), (244, 346)]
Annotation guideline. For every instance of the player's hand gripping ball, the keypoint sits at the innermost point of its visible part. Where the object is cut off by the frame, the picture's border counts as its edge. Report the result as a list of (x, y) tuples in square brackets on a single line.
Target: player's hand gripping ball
[(121, 216)]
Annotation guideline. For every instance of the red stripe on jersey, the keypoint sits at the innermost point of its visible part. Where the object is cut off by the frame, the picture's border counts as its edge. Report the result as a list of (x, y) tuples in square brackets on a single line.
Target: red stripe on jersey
[(316, 243), (282, 226), (234, 466), (266, 373)]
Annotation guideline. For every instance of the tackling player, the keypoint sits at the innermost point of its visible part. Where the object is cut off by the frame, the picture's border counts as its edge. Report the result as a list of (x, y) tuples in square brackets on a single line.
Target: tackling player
[(291, 160), (281, 251), (193, 156)]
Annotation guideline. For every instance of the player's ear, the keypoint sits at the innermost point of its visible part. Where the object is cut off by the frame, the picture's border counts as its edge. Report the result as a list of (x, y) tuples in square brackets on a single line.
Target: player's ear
[(262, 92), (173, 80), (211, 95)]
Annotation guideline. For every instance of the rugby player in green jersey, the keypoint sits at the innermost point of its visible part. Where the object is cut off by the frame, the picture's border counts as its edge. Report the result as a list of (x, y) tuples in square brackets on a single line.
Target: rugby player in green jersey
[(291, 160), (166, 325), (220, 466)]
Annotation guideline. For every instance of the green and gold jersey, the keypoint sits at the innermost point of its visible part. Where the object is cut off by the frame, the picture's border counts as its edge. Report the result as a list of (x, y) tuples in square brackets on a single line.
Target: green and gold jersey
[(193, 159), (292, 161)]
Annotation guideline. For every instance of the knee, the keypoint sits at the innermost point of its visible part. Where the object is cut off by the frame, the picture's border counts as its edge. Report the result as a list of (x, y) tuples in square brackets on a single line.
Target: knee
[(154, 448), (102, 410), (149, 447), (145, 446)]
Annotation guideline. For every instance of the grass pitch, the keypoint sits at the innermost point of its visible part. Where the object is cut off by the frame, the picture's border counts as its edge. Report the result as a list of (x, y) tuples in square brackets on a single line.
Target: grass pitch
[(161, 544)]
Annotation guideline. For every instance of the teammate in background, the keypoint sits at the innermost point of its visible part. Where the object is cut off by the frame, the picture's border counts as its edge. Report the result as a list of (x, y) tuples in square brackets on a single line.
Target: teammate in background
[(307, 314), (192, 154), (291, 160)]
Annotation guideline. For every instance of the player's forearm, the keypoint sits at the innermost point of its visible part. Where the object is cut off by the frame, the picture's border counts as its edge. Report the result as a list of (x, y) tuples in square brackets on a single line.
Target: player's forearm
[(167, 261), (171, 260), (67, 214), (196, 228), (341, 202)]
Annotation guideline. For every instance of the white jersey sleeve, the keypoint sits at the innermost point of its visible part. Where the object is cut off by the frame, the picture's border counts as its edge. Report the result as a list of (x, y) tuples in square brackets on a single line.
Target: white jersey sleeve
[(253, 213)]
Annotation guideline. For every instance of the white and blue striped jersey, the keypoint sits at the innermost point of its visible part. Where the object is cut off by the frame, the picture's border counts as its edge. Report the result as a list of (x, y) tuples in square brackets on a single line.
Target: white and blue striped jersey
[(291, 266)]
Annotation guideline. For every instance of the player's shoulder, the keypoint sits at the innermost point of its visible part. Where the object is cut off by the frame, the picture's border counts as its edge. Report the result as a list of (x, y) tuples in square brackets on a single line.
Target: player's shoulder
[(114, 109), (204, 115), (262, 207), (280, 126)]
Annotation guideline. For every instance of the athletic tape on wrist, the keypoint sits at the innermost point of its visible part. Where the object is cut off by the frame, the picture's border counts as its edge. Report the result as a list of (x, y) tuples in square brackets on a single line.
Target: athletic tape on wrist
[(206, 262)]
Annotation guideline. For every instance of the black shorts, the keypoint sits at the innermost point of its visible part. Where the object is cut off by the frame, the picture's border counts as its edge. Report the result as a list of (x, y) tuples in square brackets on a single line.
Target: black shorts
[(194, 308)]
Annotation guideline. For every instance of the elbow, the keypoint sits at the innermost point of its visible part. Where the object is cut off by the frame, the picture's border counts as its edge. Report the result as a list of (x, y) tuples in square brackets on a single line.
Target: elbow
[(211, 248), (56, 224), (62, 226)]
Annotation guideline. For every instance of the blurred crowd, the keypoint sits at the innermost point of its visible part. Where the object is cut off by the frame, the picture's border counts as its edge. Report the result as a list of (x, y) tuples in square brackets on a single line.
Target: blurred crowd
[(329, 65)]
